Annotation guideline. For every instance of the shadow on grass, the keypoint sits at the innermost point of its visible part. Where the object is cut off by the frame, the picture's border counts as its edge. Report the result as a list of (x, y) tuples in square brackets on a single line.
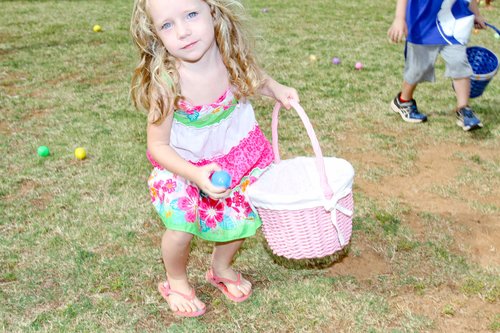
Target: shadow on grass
[(309, 263), (482, 134)]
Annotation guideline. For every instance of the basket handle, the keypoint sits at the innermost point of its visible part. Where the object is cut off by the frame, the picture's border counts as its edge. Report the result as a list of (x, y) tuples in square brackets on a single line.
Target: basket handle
[(320, 164), (493, 27)]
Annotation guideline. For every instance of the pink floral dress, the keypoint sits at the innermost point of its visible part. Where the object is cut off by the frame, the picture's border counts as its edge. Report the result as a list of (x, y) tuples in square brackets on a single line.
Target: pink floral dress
[(226, 133)]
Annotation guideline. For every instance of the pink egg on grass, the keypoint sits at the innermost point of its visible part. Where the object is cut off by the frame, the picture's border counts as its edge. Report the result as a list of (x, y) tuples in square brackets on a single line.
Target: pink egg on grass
[(335, 61), (358, 66)]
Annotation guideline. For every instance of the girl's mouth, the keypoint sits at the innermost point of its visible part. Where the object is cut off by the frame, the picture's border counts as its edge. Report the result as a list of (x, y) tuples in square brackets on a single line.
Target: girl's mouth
[(188, 46)]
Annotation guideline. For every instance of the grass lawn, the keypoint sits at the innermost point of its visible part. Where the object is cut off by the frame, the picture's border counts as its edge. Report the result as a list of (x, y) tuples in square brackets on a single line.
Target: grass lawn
[(79, 240)]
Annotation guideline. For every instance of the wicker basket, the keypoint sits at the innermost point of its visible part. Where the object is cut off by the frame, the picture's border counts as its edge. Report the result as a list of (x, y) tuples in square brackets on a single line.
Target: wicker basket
[(305, 203)]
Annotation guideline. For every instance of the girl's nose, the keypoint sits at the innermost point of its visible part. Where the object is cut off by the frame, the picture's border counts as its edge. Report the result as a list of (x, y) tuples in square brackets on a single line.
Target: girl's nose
[(183, 30)]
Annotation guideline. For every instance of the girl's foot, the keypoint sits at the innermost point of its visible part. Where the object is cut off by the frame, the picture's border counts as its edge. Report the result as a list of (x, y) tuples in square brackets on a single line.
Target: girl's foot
[(182, 299), (232, 284)]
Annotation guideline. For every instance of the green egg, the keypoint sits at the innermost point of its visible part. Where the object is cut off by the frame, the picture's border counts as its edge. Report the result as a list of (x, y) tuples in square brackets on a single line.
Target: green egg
[(43, 151)]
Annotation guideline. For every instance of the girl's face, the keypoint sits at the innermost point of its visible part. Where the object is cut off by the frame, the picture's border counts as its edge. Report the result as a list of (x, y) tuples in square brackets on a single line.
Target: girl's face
[(185, 27)]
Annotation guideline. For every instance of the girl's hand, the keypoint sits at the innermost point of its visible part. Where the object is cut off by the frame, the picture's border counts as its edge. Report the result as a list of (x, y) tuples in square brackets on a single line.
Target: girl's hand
[(284, 94), (398, 30), (279, 92), (205, 184)]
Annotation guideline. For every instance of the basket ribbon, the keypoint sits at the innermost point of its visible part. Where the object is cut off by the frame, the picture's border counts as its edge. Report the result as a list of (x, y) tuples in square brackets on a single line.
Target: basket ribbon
[(332, 206), (320, 164)]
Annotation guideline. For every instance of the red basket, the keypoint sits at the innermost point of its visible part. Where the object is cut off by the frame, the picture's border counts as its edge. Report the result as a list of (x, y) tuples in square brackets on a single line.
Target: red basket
[(306, 203)]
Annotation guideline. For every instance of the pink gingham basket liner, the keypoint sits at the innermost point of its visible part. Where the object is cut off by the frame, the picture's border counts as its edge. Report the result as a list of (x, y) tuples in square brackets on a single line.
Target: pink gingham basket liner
[(305, 203)]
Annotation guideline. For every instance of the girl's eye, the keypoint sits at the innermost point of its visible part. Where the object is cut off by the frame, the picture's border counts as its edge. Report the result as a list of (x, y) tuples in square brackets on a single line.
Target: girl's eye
[(192, 15), (166, 26)]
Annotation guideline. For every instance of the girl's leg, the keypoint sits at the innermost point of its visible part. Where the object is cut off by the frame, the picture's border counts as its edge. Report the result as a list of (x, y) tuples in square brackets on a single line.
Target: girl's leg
[(222, 258), (175, 253)]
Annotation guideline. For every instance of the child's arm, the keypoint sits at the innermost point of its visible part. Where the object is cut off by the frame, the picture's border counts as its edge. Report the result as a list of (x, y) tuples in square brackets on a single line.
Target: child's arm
[(279, 92), (398, 29), (158, 140), (479, 21)]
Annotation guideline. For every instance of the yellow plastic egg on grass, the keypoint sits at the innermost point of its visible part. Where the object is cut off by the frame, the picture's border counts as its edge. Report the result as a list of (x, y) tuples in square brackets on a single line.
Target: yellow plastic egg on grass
[(97, 28), (80, 153)]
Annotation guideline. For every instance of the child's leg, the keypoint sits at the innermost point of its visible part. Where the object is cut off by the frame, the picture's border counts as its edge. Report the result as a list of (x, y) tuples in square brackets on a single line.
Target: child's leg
[(459, 70), (419, 67), (407, 91), (462, 91), (175, 253), (222, 258)]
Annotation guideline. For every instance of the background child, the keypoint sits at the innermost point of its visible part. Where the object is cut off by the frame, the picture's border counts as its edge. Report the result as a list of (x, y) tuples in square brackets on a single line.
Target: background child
[(195, 72), (435, 27), (487, 3)]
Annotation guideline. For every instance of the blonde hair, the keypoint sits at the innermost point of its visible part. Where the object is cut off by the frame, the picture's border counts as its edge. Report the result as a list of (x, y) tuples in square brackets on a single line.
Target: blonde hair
[(155, 81)]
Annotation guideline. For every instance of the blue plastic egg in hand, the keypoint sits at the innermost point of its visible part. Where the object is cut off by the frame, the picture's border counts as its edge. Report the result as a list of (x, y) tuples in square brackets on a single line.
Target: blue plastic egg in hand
[(221, 178)]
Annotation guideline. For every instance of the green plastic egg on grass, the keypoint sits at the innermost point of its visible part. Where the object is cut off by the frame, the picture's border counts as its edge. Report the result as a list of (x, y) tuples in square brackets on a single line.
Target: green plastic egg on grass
[(43, 151)]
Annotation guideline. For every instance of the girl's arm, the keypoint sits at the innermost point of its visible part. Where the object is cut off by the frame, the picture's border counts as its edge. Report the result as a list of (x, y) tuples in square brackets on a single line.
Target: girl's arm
[(279, 92), (158, 141), (398, 29)]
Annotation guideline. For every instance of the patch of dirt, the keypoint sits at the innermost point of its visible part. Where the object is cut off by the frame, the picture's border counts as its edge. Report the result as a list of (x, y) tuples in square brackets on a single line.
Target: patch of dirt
[(71, 76), (478, 234), (448, 311), (4, 128), (26, 188), (368, 264), (435, 166), (27, 185), (432, 187), (42, 201), (151, 232), (438, 166), (11, 81)]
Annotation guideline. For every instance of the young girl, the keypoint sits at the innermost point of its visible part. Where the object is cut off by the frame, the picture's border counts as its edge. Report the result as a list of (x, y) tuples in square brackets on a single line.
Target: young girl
[(195, 73)]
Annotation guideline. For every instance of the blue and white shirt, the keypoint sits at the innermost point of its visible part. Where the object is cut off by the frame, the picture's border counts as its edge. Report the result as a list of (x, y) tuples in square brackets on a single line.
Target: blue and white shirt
[(439, 22)]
